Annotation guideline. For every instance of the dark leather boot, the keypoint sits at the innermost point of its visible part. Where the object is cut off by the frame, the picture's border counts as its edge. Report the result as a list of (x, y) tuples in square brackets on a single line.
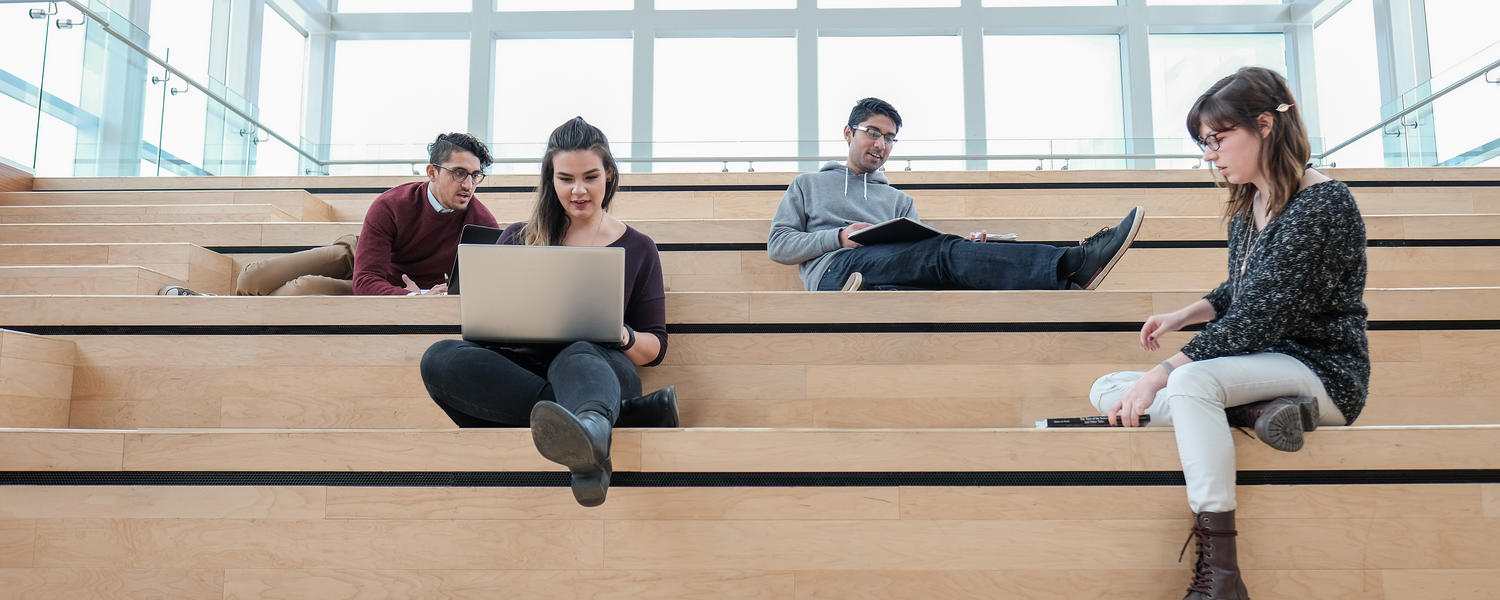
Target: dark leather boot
[(580, 443), (656, 409), (1278, 422), (1216, 575)]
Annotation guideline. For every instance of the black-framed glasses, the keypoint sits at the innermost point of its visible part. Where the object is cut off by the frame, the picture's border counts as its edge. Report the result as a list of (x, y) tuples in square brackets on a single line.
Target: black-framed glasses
[(1211, 141), (462, 174), (875, 134)]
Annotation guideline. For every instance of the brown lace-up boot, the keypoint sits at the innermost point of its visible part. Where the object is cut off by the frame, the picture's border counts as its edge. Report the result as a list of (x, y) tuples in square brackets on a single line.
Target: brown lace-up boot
[(1216, 575), (1278, 422)]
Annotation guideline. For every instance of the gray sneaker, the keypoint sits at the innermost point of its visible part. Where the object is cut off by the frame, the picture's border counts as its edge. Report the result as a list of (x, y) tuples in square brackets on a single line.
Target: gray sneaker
[(177, 290), (1102, 250)]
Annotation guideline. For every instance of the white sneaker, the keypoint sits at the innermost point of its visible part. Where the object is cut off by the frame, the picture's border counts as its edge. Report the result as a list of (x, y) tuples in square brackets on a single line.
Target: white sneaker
[(177, 290), (855, 282)]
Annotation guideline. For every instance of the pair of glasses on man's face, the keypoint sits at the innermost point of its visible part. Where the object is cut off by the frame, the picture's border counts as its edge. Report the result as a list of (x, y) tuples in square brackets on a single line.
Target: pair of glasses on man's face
[(1211, 141), (462, 174), (875, 134)]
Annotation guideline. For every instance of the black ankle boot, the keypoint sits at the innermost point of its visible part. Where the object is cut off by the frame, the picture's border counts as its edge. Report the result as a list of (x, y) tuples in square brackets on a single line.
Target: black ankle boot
[(1279, 422), (1216, 574), (580, 443), (656, 409)]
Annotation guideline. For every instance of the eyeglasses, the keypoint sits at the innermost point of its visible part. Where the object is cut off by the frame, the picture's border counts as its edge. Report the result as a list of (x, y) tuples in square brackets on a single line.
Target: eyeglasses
[(1211, 141), (462, 174), (873, 134)]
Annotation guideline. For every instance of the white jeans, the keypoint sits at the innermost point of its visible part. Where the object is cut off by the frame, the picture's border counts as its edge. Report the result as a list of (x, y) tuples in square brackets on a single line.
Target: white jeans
[(1193, 404)]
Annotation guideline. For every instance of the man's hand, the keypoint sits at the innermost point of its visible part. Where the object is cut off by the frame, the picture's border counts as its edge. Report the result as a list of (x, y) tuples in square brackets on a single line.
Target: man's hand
[(411, 286), (848, 229)]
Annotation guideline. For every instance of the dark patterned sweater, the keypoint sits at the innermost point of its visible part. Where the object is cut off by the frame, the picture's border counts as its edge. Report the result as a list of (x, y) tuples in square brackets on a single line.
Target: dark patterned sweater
[(1300, 293)]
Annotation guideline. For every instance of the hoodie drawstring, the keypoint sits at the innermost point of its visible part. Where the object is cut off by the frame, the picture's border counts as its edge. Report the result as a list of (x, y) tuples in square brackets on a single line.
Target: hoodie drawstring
[(867, 186)]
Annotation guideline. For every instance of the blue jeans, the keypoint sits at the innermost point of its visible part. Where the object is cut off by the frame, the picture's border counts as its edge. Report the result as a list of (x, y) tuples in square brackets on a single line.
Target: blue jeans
[(949, 262)]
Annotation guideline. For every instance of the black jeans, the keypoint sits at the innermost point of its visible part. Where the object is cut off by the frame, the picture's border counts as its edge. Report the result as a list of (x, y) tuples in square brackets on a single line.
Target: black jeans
[(480, 387)]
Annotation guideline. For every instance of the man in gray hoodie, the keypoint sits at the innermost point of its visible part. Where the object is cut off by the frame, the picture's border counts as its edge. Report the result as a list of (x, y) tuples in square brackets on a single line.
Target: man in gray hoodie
[(819, 211)]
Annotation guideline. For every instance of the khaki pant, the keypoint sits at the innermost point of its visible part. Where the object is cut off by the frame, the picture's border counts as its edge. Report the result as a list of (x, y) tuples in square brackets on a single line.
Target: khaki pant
[(1193, 405), (325, 271)]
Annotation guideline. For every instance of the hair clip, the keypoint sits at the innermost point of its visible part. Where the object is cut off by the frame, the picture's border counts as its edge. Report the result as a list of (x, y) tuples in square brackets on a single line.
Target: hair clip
[(1283, 107)]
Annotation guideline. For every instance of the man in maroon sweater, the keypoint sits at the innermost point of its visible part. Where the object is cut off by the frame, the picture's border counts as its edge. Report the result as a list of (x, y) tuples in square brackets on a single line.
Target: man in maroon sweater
[(411, 232), (406, 246)]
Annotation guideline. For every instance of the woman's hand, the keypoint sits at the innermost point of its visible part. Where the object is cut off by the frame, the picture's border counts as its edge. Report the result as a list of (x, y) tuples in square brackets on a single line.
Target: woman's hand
[(1137, 399), (1159, 325)]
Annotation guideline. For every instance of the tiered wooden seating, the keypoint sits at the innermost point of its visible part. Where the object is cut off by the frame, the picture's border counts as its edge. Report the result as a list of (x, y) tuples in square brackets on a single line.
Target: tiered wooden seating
[(869, 445)]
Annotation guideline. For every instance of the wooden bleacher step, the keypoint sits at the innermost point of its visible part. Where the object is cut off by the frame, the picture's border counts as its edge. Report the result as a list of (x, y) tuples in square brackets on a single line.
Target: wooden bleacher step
[(303, 541), (736, 231), (140, 213), (761, 359), (199, 268), (83, 279), (36, 380), (300, 204)]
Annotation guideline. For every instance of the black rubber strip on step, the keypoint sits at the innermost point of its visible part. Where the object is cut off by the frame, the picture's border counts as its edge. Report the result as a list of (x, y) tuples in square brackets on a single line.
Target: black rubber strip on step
[(531, 479), (697, 328)]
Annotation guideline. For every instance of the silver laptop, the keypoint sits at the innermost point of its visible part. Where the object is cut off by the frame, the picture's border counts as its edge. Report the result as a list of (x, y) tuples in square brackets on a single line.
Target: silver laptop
[(542, 293)]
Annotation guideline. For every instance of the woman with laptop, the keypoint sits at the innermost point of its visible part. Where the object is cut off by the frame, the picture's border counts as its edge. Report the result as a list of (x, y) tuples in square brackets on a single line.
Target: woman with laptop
[(1284, 348), (569, 393)]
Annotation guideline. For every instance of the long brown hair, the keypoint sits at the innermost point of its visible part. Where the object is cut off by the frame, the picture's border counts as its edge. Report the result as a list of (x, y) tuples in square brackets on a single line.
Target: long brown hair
[(1240, 100), (549, 222)]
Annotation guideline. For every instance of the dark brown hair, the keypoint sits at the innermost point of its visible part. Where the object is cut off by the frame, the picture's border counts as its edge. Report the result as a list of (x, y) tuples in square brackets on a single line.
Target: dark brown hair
[(446, 143), (1239, 100), (549, 222)]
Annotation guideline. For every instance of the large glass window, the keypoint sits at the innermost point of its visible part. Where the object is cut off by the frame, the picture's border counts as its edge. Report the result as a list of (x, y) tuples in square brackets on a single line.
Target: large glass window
[(539, 84), (722, 4), (1461, 37), (21, 79), (725, 97), (1182, 68), (401, 6), (283, 69), (377, 116), (1068, 103), (179, 33), (921, 76), (1050, 3), (1209, 2), (1348, 84), (884, 3), (540, 5)]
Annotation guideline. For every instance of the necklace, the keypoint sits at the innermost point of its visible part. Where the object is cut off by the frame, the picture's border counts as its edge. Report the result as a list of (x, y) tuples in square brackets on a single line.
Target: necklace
[(1252, 240)]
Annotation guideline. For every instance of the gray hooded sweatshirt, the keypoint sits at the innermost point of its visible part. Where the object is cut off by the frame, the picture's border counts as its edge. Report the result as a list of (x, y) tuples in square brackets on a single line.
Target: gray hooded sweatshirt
[(805, 231)]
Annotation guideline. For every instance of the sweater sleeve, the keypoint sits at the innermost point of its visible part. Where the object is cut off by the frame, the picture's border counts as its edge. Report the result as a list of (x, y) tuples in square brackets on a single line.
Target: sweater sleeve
[(372, 257), (790, 242), (1219, 298), (1285, 285), (647, 312)]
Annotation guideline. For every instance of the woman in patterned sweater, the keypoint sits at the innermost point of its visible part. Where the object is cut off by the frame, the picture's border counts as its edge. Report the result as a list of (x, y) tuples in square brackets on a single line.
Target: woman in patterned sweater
[(1284, 348)]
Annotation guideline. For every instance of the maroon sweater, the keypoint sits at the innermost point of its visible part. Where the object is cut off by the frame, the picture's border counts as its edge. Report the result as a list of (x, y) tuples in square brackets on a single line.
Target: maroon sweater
[(645, 295), (403, 234)]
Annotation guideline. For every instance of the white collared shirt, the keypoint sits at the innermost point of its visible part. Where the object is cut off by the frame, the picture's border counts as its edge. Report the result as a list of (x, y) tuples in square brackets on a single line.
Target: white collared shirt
[(431, 199)]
